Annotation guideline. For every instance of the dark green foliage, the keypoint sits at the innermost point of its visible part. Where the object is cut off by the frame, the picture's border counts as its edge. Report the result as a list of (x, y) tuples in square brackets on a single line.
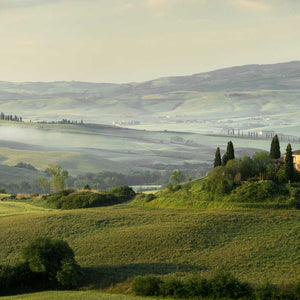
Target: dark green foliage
[(173, 287), (217, 161), (289, 165), (124, 192), (87, 187), (221, 286), (2, 191), (146, 285), (19, 276), (69, 275), (46, 255), (25, 166), (225, 285), (230, 151), (47, 263), (70, 199), (296, 289), (196, 286), (275, 148), (266, 291), (224, 159)]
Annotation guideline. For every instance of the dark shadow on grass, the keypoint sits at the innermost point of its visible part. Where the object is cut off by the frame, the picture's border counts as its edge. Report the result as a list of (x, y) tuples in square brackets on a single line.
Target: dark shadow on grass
[(106, 276)]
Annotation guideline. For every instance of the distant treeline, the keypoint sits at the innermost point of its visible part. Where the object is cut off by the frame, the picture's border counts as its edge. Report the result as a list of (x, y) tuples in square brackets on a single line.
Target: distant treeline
[(63, 121), (15, 118)]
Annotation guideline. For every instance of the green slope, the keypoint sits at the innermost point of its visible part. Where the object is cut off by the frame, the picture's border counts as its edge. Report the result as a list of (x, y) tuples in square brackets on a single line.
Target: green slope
[(117, 243)]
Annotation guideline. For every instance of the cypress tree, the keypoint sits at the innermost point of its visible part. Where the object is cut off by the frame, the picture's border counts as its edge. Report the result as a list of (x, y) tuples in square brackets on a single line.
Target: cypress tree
[(275, 148), (224, 159), (288, 164), (230, 151), (217, 161)]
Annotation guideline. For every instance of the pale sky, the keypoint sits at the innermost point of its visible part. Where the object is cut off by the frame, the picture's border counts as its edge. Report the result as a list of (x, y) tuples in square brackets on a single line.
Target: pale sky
[(126, 41)]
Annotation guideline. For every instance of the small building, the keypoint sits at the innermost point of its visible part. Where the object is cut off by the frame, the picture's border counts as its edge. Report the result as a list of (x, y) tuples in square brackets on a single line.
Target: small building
[(296, 159)]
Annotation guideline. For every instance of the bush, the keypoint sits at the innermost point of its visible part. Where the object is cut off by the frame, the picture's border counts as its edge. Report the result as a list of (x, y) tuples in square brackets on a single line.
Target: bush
[(146, 286), (296, 289), (18, 276), (173, 287), (196, 286), (124, 192), (266, 291), (69, 275), (225, 285)]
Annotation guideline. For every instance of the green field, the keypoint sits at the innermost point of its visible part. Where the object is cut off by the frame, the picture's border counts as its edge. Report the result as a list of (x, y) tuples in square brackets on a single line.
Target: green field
[(70, 295), (114, 244)]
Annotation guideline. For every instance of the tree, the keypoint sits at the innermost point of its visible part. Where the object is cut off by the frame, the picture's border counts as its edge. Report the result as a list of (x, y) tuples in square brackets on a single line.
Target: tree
[(275, 148), (289, 164), (217, 161), (261, 161), (44, 184), (46, 255), (58, 177), (224, 159), (230, 150), (177, 177)]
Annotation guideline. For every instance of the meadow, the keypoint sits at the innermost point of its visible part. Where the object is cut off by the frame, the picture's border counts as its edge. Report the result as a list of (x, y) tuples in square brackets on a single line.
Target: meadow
[(114, 244)]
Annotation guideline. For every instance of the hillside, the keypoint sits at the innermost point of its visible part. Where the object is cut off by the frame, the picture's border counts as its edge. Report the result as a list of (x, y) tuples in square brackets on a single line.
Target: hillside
[(116, 243), (252, 97), (92, 148)]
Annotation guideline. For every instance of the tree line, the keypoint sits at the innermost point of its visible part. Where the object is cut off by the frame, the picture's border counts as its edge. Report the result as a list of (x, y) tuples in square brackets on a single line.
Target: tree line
[(15, 118)]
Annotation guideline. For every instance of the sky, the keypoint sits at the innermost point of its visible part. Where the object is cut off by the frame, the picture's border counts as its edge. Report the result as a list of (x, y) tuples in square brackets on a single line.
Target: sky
[(126, 41)]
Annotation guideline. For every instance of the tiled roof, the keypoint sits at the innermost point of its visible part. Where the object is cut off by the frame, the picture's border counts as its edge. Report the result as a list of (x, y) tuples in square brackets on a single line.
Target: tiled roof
[(297, 152)]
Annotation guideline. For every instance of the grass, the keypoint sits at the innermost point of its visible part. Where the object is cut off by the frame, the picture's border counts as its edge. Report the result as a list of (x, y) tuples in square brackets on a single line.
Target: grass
[(70, 295), (9, 208), (113, 244)]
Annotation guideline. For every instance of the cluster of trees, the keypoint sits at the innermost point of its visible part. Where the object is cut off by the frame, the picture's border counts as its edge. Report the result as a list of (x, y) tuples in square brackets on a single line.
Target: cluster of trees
[(222, 285), (63, 121), (46, 263), (230, 172), (25, 166), (10, 117)]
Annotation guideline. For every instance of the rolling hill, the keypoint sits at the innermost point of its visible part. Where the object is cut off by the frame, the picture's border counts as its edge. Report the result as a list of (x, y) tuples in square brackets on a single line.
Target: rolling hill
[(252, 97)]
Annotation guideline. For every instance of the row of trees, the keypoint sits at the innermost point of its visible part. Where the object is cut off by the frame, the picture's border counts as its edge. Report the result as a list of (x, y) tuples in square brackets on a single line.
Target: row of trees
[(15, 118)]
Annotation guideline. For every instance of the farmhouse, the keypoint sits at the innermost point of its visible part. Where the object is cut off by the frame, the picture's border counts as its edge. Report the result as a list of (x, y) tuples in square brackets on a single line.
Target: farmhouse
[(296, 157)]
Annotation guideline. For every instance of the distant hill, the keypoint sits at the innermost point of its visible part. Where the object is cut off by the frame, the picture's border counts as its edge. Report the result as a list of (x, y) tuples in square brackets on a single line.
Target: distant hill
[(215, 100)]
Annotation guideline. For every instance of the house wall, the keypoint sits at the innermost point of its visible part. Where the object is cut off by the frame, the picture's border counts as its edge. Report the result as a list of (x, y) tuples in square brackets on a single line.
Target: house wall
[(297, 161)]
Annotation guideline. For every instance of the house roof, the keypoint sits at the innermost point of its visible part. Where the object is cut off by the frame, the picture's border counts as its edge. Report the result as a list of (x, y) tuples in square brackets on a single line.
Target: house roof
[(297, 152)]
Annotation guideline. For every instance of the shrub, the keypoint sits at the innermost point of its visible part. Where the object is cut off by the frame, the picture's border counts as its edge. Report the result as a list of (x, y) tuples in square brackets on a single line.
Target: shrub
[(265, 291), (196, 286), (69, 275), (173, 287), (225, 285), (296, 289), (124, 192), (146, 286)]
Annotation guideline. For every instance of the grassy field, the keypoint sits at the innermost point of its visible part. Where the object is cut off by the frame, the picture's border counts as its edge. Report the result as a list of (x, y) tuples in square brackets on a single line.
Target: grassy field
[(70, 295), (113, 244)]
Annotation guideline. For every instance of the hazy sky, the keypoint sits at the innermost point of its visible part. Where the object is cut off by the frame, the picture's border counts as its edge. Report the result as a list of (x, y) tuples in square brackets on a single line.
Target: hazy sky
[(124, 41)]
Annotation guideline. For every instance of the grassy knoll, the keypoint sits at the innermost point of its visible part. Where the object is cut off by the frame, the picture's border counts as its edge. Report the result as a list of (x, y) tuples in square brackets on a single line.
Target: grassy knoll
[(9, 208), (113, 244), (70, 295)]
